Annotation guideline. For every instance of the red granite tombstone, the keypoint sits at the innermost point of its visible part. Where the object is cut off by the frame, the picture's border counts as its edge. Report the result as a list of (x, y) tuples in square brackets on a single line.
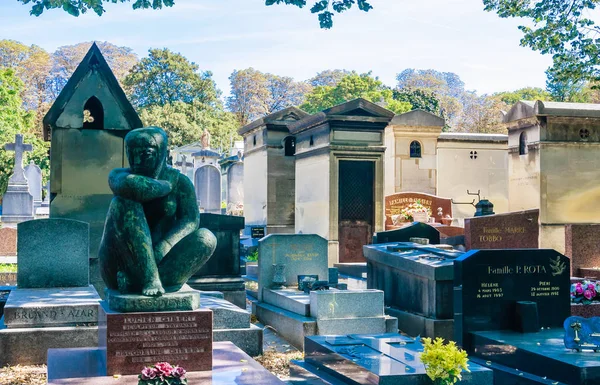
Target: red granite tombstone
[(582, 246), (516, 230), (8, 242), (396, 202), (136, 340)]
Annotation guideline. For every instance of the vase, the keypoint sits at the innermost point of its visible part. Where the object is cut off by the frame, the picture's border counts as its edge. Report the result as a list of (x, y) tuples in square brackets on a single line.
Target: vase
[(279, 280)]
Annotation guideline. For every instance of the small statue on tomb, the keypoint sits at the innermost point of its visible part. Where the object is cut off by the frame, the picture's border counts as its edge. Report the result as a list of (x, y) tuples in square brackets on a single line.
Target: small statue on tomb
[(152, 242), (205, 139)]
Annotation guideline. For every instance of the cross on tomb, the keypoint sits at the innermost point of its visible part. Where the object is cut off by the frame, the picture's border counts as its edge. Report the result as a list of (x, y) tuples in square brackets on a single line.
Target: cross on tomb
[(19, 148)]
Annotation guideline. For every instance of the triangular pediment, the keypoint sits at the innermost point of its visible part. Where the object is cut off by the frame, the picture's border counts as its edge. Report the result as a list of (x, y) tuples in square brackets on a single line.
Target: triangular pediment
[(359, 107), (418, 118), (285, 116), (92, 78), (520, 110)]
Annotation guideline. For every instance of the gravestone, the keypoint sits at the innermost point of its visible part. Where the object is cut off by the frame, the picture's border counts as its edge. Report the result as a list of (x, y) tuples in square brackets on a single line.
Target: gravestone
[(8, 242), (235, 184), (207, 183), (17, 202), (516, 230), (404, 234), (34, 178), (53, 305), (396, 202), (53, 253), (222, 271), (300, 253), (582, 246), (488, 284)]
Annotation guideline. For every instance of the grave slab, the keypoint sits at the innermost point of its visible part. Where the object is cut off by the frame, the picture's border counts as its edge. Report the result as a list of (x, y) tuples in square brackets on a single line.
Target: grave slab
[(341, 326), (339, 304), (83, 367), (292, 300), (291, 325), (51, 307)]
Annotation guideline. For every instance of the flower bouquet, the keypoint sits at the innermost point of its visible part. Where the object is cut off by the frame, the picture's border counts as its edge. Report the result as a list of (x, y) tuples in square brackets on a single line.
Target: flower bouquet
[(585, 292), (162, 374), (415, 210)]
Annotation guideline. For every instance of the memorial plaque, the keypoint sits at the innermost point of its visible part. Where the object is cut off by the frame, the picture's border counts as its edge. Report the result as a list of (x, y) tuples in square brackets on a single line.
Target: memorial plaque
[(517, 230), (257, 232), (396, 202), (136, 340), (300, 253), (488, 284)]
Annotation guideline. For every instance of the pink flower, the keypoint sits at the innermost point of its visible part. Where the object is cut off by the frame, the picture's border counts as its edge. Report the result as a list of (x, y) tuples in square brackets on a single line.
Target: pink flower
[(164, 369), (591, 286), (148, 374), (179, 372), (578, 288), (589, 294)]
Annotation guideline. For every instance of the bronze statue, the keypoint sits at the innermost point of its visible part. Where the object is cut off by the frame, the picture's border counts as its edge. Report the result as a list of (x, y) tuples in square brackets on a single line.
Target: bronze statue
[(151, 242)]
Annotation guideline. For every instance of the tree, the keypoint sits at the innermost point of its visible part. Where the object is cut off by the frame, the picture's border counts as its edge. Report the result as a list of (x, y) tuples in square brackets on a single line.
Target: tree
[(481, 113), (323, 8), (447, 87), (328, 78), (351, 87), (420, 99), (66, 59), (255, 94), (166, 77), (559, 28), (527, 93), (185, 122), (14, 119)]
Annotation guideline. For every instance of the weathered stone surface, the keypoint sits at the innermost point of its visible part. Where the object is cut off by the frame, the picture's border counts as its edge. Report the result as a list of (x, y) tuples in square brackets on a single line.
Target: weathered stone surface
[(8, 242), (517, 230), (225, 314), (135, 340), (337, 304), (184, 299), (51, 307), (53, 253), (581, 245), (292, 300), (34, 179), (151, 242), (301, 253), (29, 346), (250, 339), (363, 325), (17, 202), (292, 326)]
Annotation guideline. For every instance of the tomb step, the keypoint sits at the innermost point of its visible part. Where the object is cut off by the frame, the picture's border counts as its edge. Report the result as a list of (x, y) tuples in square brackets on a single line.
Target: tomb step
[(290, 326), (505, 375), (225, 314), (341, 326), (291, 300), (302, 373)]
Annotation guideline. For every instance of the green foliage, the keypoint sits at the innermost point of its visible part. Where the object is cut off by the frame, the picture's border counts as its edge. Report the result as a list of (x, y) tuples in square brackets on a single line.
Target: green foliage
[(77, 7), (443, 363), (166, 77), (350, 87), (14, 119), (324, 8), (252, 257), (8, 267), (528, 93), (562, 29), (420, 99), (185, 122)]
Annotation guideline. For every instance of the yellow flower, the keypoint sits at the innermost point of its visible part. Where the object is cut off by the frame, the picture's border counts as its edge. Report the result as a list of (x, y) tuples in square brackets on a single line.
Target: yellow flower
[(443, 362)]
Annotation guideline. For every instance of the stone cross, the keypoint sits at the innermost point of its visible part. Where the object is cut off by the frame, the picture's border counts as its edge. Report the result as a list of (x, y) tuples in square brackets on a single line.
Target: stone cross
[(18, 176)]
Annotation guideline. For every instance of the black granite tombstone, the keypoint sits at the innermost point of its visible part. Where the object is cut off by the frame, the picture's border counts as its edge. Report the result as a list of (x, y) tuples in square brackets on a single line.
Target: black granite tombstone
[(489, 283), (404, 234)]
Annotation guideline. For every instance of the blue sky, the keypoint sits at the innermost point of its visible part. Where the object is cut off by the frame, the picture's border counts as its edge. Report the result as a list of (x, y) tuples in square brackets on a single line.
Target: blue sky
[(223, 35)]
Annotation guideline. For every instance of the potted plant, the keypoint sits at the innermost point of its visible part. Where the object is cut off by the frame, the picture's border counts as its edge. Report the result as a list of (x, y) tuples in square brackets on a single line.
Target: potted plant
[(444, 363)]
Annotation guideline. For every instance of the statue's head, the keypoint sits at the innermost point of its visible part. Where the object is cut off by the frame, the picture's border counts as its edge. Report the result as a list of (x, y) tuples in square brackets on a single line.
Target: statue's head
[(147, 150)]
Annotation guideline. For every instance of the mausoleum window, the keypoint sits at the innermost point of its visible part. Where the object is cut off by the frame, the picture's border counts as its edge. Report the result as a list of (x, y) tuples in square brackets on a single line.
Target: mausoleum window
[(523, 143), (415, 149), (93, 114), (290, 146)]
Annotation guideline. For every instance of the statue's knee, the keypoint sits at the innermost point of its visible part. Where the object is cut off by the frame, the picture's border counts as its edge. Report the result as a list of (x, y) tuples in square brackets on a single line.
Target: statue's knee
[(206, 238)]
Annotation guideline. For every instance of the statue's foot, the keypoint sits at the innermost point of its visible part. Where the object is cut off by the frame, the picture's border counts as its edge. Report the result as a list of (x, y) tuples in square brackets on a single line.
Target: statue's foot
[(122, 282), (153, 289)]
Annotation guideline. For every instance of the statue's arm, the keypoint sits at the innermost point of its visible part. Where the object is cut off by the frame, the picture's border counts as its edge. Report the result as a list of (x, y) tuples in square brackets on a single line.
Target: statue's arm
[(138, 188), (187, 217)]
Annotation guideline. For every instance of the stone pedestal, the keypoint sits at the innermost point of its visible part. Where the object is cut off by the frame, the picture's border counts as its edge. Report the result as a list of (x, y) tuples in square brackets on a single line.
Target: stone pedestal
[(135, 340), (185, 299), (17, 204)]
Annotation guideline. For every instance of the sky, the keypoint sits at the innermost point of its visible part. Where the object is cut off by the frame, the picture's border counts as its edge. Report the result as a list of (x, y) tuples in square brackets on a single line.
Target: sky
[(223, 35)]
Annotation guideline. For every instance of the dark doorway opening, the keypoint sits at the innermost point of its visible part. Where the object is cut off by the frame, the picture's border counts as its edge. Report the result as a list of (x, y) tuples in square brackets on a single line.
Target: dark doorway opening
[(356, 208), (93, 114)]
